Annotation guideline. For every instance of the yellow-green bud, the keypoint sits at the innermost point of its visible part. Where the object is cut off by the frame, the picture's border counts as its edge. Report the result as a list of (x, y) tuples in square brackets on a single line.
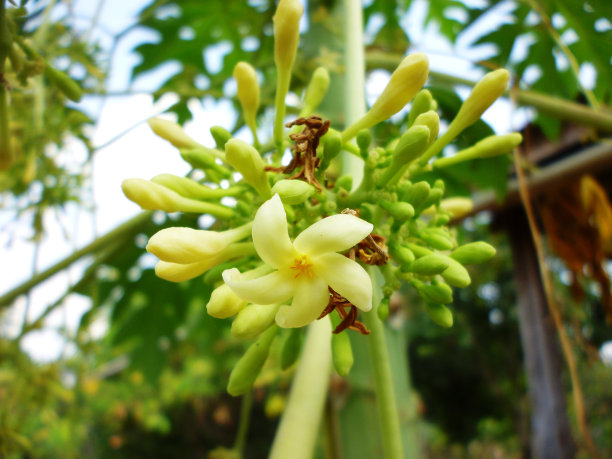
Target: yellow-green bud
[(405, 82), (67, 85), (293, 191), (173, 133), (440, 314), (430, 265), (486, 91), (417, 194), (286, 32), (418, 250), (488, 147), (316, 90), (431, 120), (191, 189), (458, 207), (437, 238), (253, 320), (291, 348), (250, 364), (224, 302), (383, 309), (420, 104), (221, 136), (332, 144), (188, 245), (345, 182), (342, 353), (473, 253), (410, 146), (400, 211), (402, 253), (438, 293), (152, 196), (456, 275), (248, 93), (433, 199), (246, 160), (205, 158)]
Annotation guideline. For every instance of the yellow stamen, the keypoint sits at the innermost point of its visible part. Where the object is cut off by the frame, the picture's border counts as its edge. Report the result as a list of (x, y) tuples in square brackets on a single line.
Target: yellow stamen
[(302, 264)]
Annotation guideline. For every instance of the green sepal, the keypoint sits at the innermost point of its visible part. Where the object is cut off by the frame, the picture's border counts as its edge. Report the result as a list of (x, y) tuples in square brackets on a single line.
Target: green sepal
[(291, 348)]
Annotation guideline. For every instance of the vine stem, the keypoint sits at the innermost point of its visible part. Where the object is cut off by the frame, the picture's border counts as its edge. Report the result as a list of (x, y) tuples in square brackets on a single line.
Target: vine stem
[(297, 432), (355, 108), (566, 346)]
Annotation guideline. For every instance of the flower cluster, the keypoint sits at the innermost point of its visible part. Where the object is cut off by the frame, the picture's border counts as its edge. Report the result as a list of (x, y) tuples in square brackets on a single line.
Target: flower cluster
[(302, 256)]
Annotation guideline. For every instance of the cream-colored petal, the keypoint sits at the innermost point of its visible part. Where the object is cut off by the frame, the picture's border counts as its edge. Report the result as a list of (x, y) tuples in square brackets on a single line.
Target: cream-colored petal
[(270, 234), (275, 287), (346, 277), (186, 245), (310, 298), (179, 272), (332, 234)]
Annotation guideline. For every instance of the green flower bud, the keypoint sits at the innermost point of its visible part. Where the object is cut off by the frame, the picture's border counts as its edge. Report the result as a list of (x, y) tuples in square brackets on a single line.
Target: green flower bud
[(437, 238), (456, 275), (418, 250), (364, 139), (152, 196), (410, 146), (420, 104), (316, 90), (172, 132), (246, 160), (291, 348), (431, 120), (293, 191), (400, 211), (205, 159), (430, 265), (224, 303), (437, 293), (342, 353), (221, 136), (253, 320), (248, 93), (433, 199), (473, 253), (458, 207), (440, 314), (383, 309), (345, 182), (488, 147), (250, 364), (191, 189), (417, 194), (332, 144), (67, 85), (486, 91), (402, 253), (405, 81)]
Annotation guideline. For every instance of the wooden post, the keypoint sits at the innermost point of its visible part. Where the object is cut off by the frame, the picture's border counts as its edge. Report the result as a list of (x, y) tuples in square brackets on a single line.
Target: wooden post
[(550, 435)]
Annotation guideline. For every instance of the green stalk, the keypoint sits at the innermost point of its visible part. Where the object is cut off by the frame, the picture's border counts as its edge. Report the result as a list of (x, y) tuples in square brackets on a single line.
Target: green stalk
[(297, 432), (282, 88), (6, 154), (243, 424), (385, 394)]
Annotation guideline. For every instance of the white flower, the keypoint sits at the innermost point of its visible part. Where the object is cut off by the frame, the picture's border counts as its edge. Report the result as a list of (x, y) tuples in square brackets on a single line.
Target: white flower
[(306, 267)]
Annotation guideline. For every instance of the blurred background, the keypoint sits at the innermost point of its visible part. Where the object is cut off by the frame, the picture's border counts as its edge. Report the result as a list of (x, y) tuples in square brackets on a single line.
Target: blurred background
[(99, 358)]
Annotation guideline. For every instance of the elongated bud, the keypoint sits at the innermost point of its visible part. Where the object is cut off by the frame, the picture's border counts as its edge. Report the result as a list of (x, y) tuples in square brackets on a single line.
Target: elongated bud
[(286, 38), (456, 275), (172, 132), (316, 90), (291, 348), (188, 245), (152, 196), (178, 272), (486, 91), (332, 144), (248, 93), (224, 302), (418, 250), (431, 120), (433, 199), (406, 80), (383, 309), (253, 320), (250, 364), (246, 160), (417, 194), (342, 353), (420, 104), (189, 188), (440, 314), (437, 293), (430, 265), (67, 85), (293, 191), (221, 136), (205, 159), (402, 253), (458, 207), (410, 146), (400, 211), (437, 238), (473, 253), (488, 147)]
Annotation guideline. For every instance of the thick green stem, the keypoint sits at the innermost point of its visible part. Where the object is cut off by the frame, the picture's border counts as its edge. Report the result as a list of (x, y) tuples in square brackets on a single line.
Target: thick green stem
[(299, 427), (385, 394)]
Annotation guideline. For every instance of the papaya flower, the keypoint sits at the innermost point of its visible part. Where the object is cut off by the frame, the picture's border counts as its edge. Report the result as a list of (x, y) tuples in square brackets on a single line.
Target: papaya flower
[(305, 267)]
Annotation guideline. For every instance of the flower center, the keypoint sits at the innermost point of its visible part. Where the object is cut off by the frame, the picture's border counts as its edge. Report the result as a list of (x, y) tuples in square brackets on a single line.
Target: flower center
[(301, 265)]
